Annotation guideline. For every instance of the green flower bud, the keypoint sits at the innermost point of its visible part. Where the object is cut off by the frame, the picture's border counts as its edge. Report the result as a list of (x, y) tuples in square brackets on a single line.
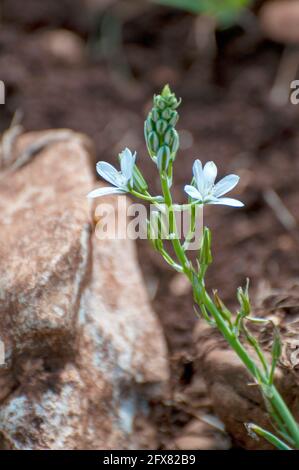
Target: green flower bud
[(161, 104), (226, 314), (170, 98), (163, 158), (171, 138), (168, 137), (205, 257), (153, 142), (175, 143), (161, 126), (167, 113), (155, 115), (243, 298), (149, 125), (154, 230), (139, 182), (173, 118), (173, 102), (276, 346)]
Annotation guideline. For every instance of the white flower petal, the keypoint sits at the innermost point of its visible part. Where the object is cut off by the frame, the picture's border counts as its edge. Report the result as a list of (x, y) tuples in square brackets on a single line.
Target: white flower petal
[(210, 173), (197, 169), (198, 175), (127, 162), (225, 185), (193, 192), (226, 201), (108, 172), (104, 192)]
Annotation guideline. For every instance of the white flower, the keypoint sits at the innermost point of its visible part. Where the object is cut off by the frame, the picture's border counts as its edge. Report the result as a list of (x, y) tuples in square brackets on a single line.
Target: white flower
[(206, 191), (121, 180)]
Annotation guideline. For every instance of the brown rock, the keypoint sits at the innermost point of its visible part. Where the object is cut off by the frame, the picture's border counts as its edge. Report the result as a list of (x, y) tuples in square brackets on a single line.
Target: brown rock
[(62, 45), (235, 398), (280, 21), (199, 435), (84, 351)]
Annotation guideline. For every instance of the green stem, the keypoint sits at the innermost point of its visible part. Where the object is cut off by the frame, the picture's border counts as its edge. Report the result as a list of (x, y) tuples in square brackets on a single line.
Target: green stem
[(145, 197), (272, 372), (173, 228)]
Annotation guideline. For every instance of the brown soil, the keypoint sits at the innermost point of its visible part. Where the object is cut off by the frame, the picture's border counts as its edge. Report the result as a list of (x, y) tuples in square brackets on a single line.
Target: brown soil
[(226, 116)]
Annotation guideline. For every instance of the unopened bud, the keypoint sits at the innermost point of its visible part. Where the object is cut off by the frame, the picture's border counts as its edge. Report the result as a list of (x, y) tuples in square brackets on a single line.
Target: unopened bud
[(163, 158), (171, 138), (154, 230), (226, 314), (148, 125), (161, 126), (173, 118), (155, 115), (205, 251), (173, 102), (243, 298), (167, 113), (153, 142), (276, 346), (175, 143), (160, 103), (139, 182), (168, 137)]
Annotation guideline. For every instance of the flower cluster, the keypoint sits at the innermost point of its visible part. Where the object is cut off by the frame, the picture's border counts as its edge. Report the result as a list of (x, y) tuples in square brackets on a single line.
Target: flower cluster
[(162, 141)]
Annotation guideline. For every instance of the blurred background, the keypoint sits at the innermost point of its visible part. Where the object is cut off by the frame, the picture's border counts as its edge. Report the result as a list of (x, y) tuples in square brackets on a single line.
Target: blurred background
[(93, 66)]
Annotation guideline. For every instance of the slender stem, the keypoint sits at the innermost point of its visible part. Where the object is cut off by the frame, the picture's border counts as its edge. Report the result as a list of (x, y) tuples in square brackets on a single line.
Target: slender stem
[(254, 343), (173, 228), (286, 415), (272, 371), (144, 197), (170, 261)]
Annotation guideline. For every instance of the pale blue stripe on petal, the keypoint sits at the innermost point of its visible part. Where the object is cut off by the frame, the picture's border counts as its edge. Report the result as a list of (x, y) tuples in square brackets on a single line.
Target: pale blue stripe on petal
[(227, 201), (193, 192), (198, 175), (226, 184), (108, 173), (105, 192), (210, 173), (127, 162)]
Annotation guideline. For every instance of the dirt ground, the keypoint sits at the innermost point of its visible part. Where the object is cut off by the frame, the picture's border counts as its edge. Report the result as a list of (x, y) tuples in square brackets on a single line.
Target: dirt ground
[(226, 116)]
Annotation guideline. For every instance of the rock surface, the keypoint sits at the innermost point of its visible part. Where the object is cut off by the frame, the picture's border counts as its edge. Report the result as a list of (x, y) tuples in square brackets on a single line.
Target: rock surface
[(84, 351), (236, 401), (279, 21), (62, 45)]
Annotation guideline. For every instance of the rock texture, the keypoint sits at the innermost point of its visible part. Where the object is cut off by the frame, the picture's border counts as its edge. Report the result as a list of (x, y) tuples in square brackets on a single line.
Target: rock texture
[(236, 401), (279, 21), (84, 351)]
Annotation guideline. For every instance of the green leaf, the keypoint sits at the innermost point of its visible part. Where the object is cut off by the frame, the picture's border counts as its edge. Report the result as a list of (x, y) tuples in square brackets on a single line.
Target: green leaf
[(255, 430), (205, 256), (225, 11), (194, 6), (276, 347)]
